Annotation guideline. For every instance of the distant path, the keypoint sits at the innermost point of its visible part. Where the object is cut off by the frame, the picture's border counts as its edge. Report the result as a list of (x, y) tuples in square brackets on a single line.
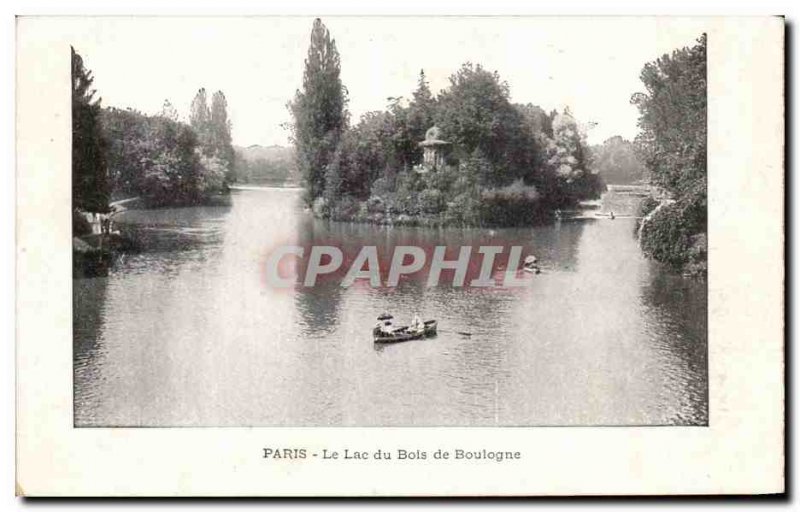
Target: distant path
[(259, 187), (598, 216), (643, 189), (621, 201)]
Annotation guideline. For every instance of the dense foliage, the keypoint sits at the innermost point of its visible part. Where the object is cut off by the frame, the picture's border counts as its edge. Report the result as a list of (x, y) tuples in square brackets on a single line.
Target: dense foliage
[(616, 161), (672, 235), (672, 145), (508, 163), (159, 159), (507, 166), (90, 187), (125, 153), (266, 165), (476, 115)]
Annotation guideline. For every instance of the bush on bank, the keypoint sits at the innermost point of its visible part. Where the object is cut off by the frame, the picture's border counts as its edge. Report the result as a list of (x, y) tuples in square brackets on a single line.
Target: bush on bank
[(674, 234), (647, 205), (443, 198)]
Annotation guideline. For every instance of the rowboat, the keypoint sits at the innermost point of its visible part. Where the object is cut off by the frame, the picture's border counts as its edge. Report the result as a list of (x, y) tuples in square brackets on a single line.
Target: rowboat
[(405, 333), (530, 264)]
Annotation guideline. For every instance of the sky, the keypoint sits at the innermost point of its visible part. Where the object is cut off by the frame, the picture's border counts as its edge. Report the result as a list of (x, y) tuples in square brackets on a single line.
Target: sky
[(591, 65)]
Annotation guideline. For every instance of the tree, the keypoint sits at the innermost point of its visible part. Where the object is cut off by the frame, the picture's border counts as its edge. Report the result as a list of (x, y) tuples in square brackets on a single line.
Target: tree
[(617, 162), (539, 125), (90, 187), (158, 159), (319, 110), (168, 111), (475, 114), (568, 163), (672, 142), (200, 120), (464, 208), (170, 165), (213, 129), (409, 124), (364, 153), (566, 154), (423, 98), (539, 120), (220, 133), (125, 131), (420, 118)]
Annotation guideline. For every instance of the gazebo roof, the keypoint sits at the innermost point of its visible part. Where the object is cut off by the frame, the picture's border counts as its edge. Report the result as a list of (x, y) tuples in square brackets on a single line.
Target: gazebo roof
[(432, 138), (434, 142)]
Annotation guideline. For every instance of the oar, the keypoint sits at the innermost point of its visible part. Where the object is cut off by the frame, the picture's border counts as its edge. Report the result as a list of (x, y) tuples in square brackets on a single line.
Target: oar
[(462, 333)]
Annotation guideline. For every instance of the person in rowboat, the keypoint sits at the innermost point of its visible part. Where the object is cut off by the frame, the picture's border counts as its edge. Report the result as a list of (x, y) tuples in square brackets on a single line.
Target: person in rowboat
[(384, 325), (416, 323)]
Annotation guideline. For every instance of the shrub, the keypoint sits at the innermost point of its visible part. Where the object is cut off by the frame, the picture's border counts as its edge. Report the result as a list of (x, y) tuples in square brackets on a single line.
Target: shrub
[(212, 174), (375, 205), (670, 235), (517, 191), (407, 203), (463, 210), (647, 205), (346, 208), (442, 179), (697, 264), (381, 187), (431, 201)]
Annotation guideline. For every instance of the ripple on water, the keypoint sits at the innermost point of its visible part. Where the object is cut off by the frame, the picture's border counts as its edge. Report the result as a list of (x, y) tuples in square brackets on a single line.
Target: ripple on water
[(185, 333)]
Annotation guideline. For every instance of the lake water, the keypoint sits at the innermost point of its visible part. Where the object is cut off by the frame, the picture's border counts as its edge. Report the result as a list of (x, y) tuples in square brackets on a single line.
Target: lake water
[(188, 333)]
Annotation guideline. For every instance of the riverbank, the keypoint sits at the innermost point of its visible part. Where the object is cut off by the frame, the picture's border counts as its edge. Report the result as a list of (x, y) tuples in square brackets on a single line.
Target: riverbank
[(429, 221), (490, 210), (93, 254), (673, 232), (98, 239)]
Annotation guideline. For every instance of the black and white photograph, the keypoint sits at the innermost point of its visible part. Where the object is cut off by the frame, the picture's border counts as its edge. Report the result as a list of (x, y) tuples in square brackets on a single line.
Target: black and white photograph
[(420, 253), (358, 222)]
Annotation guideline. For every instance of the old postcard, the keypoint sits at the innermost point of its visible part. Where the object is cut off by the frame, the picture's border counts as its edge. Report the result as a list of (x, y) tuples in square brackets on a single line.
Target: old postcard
[(403, 256)]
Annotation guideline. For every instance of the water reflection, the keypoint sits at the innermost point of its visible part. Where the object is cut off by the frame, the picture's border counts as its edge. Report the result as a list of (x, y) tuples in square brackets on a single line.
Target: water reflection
[(188, 333), (86, 346), (681, 308), (318, 306)]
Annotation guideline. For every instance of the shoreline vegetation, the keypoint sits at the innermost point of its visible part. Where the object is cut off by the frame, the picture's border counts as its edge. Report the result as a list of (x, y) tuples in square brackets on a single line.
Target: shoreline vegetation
[(466, 156), (672, 145), (470, 157), (125, 154), (122, 153)]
